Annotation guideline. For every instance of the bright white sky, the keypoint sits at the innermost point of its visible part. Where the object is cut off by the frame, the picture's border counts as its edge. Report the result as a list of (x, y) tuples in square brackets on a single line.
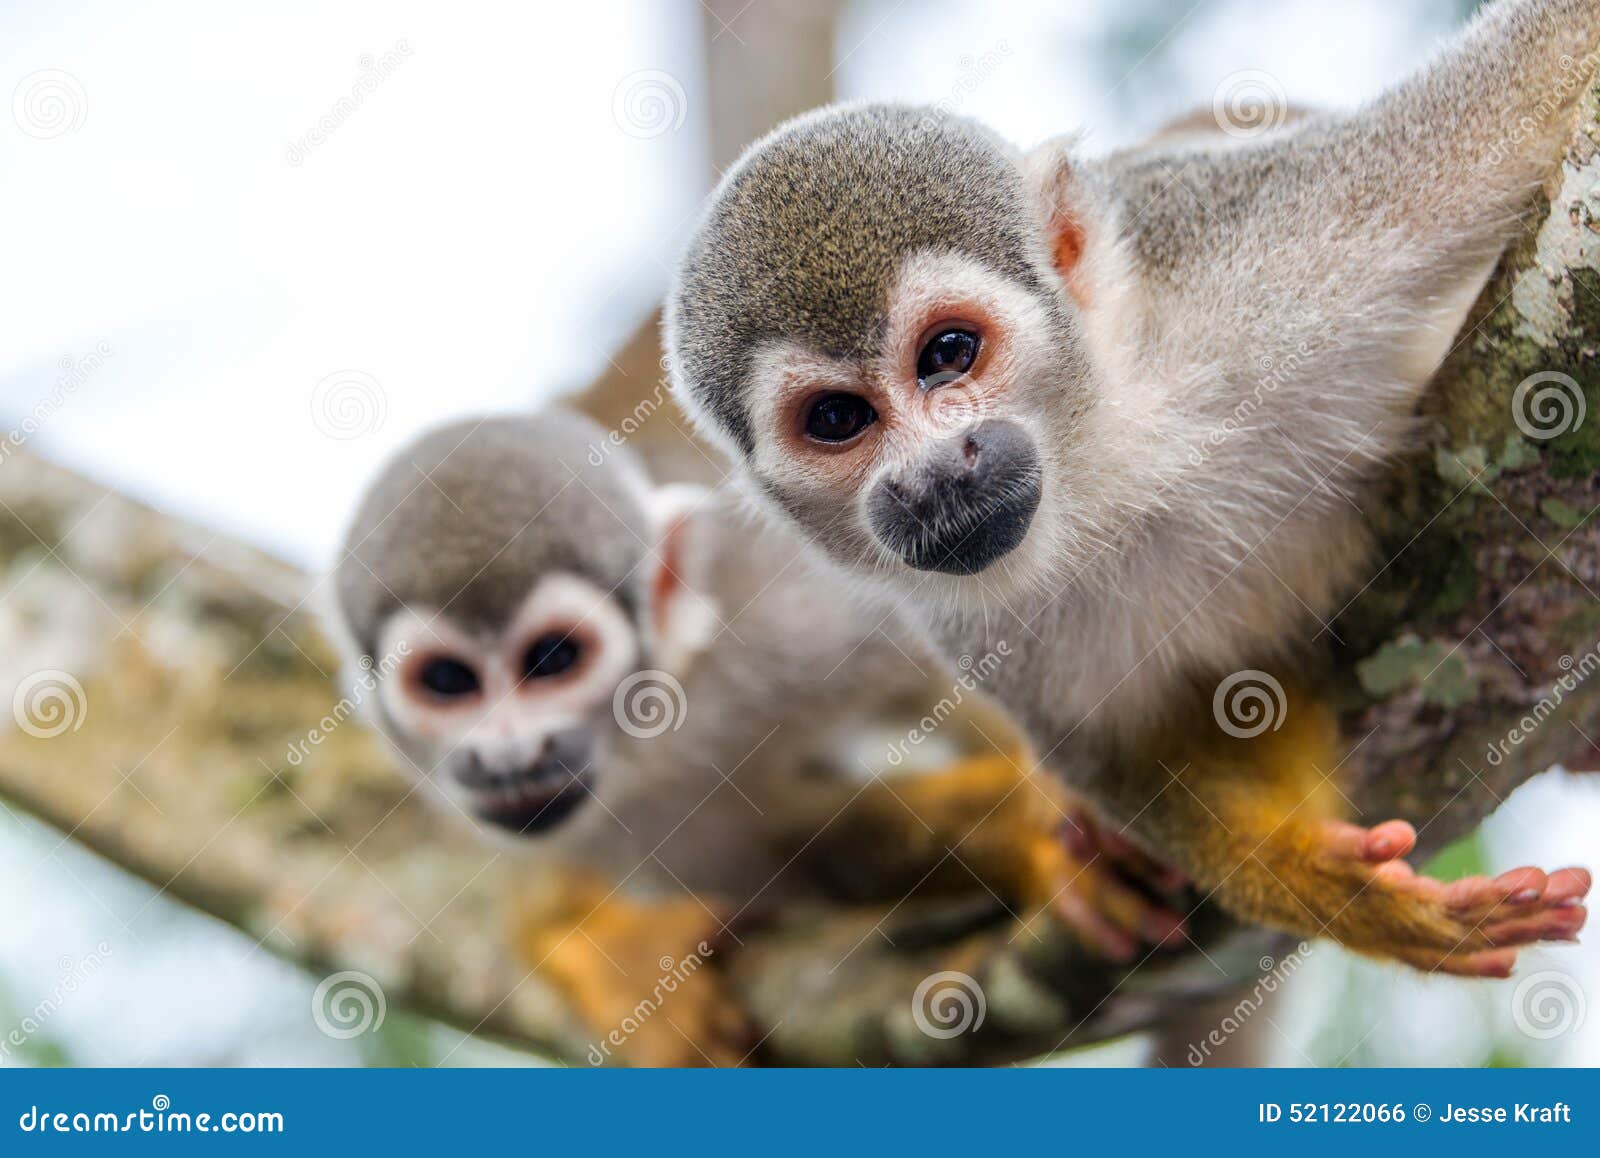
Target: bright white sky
[(477, 235)]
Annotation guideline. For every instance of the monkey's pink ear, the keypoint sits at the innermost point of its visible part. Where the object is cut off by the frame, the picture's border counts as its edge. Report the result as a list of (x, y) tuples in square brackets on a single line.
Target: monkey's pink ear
[(1062, 206), (683, 619)]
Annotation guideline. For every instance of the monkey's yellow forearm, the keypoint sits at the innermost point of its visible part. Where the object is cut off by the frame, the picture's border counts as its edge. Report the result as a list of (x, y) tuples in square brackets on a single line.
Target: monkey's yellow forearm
[(977, 823), (641, 975), (990, 823), (1259, 822)]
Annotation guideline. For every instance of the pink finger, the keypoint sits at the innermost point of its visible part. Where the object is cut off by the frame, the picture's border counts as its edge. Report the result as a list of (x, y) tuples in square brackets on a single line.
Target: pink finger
[(1100, 934), (1118, 846), (1345, 841), (1521, 886), (1388, 841), (1079, 840), (1553, 925), (1485, 963), (1163, 927), (1567, 886)]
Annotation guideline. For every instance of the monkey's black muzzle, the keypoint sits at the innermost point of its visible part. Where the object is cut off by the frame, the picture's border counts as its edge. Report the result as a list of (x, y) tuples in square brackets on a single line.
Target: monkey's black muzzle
[(968, 502), (537, 798)]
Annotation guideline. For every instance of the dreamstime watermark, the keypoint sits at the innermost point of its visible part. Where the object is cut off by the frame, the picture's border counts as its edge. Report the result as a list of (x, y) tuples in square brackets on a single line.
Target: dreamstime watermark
[(1542, 710), (649, 703), (1575, 75), (74, 373), (1274, 974), (1248, 703), (973, 673), (630, 424), (49, 103), (348, 404), (73, 974), (348, 1004), (160, 1118), (49, 703), (362, 686), (674, 972), (1249, 103), (972, 71), (649, 103), (1275, 371), (1547, 405), (374, 71), (1548, 1004), (948, 1004)]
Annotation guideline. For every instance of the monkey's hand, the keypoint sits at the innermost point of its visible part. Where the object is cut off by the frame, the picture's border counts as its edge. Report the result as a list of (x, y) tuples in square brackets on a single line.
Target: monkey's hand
[(988, 823), (640, 974), (1471, 927), (1104, 887), (1256, 822)]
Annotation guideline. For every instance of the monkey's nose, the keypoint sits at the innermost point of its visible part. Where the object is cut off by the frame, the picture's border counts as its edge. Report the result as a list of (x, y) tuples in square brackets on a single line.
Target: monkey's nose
[(475, 773), (969, 501)]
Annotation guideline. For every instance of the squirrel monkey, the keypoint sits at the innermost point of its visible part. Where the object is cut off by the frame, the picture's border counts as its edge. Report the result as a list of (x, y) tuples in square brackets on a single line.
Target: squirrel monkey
[(629, 684), (1123, 413)]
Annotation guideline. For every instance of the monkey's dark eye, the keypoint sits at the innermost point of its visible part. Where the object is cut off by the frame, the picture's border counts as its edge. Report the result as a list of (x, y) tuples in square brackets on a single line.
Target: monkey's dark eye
[(947, 356), (550, 655), (448, 678), (839, 417)]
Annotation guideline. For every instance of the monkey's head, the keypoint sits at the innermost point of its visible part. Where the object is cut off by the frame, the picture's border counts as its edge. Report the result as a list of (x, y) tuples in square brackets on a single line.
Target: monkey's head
[(876, 317), (499, 581)]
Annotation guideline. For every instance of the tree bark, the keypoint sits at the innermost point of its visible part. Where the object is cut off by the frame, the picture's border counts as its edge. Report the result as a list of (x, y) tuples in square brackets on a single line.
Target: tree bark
[(1464, 665)]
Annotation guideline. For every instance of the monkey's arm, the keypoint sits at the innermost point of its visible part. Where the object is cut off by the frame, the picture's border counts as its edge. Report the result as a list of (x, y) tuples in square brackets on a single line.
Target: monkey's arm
[(641, 975), (1451, 157), (1366, 235), (987, 823), (1259, 822)]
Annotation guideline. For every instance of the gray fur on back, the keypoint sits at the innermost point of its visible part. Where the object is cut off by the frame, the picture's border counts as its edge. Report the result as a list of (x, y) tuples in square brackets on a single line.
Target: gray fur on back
[(808, 244), (460, 520)]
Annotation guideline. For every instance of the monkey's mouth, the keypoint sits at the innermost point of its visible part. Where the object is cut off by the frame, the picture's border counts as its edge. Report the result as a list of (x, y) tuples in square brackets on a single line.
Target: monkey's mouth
[(531, 804)]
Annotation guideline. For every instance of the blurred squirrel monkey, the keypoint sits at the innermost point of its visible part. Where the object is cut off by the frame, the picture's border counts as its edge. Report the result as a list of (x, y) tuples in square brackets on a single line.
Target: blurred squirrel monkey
[(640, 689), (1123, 413)]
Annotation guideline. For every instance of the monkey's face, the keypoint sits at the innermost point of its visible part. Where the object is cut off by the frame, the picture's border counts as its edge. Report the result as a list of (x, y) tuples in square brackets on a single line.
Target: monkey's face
[(509, 723), (928, 455), (873, 320)]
